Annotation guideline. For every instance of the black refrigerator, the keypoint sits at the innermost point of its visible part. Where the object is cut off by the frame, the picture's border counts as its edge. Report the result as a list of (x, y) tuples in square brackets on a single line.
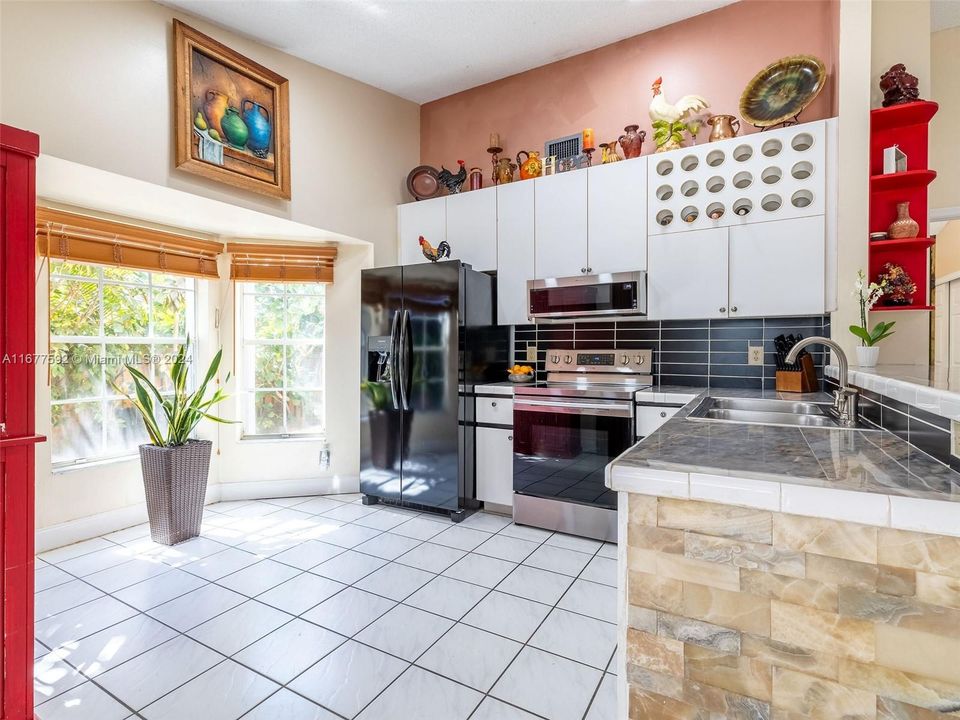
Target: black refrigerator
[(428, 335)]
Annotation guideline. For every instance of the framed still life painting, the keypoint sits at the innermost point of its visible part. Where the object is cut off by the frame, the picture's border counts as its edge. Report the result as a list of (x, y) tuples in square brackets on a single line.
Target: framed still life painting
[(232, 116)]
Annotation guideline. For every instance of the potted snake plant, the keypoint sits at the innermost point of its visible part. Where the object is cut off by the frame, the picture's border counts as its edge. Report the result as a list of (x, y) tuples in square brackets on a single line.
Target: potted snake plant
[(175, 465)]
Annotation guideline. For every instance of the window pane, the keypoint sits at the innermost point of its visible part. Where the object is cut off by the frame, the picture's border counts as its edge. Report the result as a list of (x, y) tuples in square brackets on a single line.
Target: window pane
[(76, 431), (268, 412), (162, 360), (304, 412), (124, 428), (76, 371), (118, 356), (63, 267), (304, 317), (268, 366), (179, 281), (74, 308), (305, 366), (125, 311), (125, 274), (169, 313), (268, 316), (263, 287), (305, 288)]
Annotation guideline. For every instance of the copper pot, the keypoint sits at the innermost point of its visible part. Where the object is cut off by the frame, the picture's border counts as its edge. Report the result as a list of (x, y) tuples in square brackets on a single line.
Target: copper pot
[(724, 126)]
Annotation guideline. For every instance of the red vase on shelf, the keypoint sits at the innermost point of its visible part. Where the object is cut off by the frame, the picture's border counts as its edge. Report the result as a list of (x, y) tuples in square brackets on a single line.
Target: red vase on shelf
[(904, 226)]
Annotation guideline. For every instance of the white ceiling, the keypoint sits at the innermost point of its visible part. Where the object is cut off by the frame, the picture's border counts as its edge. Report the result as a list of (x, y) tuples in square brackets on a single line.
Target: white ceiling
[(944, 14), (427, 49)]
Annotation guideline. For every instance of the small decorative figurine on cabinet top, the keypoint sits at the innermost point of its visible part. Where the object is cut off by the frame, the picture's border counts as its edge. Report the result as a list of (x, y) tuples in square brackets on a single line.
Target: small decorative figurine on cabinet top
[(452, 182), (476, 178), (632, 141), (432, 253), (670, 120), (531, 166), (898, 86)]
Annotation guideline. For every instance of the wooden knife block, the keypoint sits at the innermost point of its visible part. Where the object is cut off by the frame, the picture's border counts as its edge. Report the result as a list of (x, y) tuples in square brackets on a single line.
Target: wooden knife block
[(803, 380)]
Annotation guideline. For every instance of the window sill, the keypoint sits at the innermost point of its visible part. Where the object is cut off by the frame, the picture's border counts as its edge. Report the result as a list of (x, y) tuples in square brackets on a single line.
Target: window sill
[(258, 439), (87, 464)]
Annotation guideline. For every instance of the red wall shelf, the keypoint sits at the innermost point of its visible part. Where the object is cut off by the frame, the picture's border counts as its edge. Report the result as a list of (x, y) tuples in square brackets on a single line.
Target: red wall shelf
[(905, 126)]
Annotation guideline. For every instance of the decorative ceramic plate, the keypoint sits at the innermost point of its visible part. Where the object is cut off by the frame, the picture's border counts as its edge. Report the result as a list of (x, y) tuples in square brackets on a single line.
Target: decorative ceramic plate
[(782, 90), (422, 182)]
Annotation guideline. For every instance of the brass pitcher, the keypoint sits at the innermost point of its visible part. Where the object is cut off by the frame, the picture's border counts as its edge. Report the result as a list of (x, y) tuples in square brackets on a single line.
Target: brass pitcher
[(608, 152), (504, 170), (724, 126)]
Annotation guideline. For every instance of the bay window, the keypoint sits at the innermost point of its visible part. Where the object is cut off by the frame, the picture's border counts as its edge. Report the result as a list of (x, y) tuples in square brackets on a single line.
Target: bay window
[(102, 318), (282, 348)]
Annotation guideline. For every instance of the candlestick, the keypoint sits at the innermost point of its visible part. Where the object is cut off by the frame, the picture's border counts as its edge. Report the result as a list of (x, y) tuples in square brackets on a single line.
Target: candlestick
[(589, 153), (494, 151), (494, 140), (588, 140)]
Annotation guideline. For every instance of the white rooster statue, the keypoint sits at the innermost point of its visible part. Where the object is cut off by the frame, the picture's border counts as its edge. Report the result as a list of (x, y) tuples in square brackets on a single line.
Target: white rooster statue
[(670, 120)]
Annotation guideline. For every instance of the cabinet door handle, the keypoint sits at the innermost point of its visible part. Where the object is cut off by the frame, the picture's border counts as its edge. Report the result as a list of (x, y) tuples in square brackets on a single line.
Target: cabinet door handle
[(733, 309), (493, 403), (589, 269), (663, 413), (723, 309), (510, 438), (583, 270)]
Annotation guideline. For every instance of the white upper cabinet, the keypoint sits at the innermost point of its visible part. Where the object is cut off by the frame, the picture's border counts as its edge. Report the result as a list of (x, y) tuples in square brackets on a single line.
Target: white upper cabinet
[(561, 224), (472, 227), (617, 216), (688, 275), (427, 218), (515, 254), (777, 268)]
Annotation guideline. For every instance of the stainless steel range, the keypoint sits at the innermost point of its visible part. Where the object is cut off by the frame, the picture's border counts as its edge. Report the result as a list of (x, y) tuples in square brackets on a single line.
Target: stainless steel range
[(566, 430)]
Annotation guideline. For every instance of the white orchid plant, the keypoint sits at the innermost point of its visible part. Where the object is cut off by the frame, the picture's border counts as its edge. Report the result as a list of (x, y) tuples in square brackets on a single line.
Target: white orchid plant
[(868, 295)]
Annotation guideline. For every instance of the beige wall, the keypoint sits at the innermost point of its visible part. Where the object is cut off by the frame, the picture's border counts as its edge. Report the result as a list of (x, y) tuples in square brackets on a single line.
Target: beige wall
[(944, 142), (95, 80), (948, 250)]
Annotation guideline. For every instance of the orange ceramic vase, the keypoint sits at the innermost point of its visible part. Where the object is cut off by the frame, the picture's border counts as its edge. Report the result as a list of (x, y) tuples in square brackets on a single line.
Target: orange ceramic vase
[(532, 166), (214, 109)]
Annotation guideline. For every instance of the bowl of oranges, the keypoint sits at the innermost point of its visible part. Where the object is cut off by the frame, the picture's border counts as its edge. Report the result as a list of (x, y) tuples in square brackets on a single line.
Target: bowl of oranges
[(521, 373)]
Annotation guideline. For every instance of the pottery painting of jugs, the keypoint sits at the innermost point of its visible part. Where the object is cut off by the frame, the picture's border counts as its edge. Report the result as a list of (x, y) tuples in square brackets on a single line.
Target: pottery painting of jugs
[(233, 117)]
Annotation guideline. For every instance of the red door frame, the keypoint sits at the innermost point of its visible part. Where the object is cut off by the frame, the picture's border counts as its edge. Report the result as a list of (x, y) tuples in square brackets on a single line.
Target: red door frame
[(18, 152)]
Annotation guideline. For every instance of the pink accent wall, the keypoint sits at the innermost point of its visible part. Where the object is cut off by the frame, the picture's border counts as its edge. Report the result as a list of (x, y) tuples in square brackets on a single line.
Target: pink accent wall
[(714, 55)]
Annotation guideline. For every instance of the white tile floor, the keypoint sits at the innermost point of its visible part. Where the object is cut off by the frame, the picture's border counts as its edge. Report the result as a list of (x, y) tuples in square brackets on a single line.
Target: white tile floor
[(323, 608)]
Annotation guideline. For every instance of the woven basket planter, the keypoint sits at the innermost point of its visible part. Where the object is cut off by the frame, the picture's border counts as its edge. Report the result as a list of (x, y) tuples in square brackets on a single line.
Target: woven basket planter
[(175, 481)]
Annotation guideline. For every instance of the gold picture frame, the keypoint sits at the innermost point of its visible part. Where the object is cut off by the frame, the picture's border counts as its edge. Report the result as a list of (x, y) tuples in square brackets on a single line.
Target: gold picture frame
[(231, 115)]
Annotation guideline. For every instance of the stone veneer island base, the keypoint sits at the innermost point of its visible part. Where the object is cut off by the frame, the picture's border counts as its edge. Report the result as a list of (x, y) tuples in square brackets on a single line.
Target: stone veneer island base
[(738, 612)]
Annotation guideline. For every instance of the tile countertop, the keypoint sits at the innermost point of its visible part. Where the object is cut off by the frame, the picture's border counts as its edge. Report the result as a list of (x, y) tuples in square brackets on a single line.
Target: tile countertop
[(915, 385), (869, 477)]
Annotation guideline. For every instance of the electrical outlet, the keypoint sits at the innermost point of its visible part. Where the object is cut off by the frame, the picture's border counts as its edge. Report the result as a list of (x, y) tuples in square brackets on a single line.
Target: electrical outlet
[(955, 438), (531, 352), (755, 354)]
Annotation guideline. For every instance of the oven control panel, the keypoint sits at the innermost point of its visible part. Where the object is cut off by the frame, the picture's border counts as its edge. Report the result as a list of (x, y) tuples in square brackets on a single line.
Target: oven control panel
[(602, 360)]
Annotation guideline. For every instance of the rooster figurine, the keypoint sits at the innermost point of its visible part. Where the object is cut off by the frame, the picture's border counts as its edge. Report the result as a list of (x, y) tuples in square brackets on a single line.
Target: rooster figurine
[(452, 182), (434, 253), (670, 120)]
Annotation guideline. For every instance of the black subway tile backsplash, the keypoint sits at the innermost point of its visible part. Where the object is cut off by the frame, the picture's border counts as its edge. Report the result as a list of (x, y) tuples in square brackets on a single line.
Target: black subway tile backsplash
[(698, 353)]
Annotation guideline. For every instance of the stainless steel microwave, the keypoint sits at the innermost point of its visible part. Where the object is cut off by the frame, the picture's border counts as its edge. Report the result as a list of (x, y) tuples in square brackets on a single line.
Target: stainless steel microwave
[(588, 295)]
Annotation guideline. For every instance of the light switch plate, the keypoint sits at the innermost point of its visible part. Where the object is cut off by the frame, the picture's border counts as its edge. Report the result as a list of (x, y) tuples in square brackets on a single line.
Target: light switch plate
[(531, 352), (755, 354)]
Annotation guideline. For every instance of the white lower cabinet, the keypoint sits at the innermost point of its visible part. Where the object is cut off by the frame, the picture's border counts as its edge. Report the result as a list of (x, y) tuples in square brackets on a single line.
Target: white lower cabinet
[(495, 465), (688, 275), (651, 417), (777, 268)]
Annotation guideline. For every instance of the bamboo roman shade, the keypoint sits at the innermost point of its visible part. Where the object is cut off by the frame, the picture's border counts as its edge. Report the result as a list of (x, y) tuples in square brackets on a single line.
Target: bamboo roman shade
[(282, 263), (71, 236)]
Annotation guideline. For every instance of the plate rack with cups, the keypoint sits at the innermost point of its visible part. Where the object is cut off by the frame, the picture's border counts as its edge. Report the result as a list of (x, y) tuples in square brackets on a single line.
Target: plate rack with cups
[(773, 175)]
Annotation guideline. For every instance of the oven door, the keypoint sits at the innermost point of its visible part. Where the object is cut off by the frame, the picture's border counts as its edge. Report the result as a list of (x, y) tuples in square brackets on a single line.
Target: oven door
[(561, 447)]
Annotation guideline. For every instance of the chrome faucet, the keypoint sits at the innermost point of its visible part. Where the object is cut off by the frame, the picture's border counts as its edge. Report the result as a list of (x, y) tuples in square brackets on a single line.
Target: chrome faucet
[(846, 400)]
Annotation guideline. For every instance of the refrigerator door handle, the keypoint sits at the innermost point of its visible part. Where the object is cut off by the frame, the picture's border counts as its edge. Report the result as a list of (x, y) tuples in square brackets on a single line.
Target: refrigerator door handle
[(404, 359), (394, 348)]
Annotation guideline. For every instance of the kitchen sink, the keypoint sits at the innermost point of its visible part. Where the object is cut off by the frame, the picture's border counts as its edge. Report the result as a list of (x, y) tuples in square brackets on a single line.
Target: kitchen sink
[(757, 411)]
